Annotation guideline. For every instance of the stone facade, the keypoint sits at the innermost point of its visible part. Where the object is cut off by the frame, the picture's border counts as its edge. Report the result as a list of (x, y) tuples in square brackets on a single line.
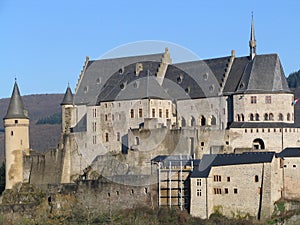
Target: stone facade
[(237, 190)]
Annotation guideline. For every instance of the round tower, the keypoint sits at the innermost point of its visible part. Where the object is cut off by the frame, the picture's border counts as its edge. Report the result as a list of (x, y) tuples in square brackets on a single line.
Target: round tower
[(67, 111), (16, 126)]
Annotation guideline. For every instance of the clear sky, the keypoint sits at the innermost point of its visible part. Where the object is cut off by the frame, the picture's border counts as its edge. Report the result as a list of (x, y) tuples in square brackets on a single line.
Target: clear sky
[(44, 43)]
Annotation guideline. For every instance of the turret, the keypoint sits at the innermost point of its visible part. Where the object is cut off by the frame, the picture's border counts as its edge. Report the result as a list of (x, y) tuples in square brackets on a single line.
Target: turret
[(67, 111), (16, 126)]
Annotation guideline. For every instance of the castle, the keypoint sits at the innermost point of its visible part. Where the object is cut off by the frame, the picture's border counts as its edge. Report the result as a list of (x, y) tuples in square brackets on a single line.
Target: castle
[(228, 118)]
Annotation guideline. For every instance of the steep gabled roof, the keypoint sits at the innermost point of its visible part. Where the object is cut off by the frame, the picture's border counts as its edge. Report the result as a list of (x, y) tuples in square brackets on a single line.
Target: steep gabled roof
[(97, 73), (189, 80), (215, 160), (16, 108), (262, 74), (126, 85)]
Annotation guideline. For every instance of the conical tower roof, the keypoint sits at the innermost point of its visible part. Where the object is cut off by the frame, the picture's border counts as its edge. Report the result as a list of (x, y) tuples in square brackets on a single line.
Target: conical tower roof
[(16, 107), (68, 98)]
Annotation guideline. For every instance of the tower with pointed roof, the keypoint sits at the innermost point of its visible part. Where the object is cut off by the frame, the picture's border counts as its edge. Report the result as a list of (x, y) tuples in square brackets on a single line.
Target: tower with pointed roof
[(252, 42), (66, 107), (16, 125)]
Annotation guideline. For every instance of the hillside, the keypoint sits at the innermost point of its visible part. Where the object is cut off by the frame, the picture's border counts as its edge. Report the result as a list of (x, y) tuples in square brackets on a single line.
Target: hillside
[(42, 136)]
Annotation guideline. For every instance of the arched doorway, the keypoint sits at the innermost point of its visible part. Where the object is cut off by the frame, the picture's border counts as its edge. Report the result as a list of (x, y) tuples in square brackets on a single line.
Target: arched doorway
[(258, 144)]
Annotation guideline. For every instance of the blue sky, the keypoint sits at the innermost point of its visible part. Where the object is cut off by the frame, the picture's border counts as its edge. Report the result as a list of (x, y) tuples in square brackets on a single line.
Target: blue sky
[(44, 43)]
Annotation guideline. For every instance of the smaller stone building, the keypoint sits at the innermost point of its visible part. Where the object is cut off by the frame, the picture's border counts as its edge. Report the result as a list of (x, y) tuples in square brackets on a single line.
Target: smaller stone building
[(236, 185), (290, 165)]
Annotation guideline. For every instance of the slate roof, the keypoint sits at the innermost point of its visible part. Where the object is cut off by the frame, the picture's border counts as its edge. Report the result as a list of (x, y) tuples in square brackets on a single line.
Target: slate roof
[(127, 85), (262, 125), (214, 160), (99, 71), (289, 152), (16, 107), (188, 80), (68, 97), (263, 74)]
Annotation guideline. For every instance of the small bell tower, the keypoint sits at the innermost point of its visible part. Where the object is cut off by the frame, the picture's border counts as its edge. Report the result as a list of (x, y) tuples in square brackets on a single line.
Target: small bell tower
[(252, 42)]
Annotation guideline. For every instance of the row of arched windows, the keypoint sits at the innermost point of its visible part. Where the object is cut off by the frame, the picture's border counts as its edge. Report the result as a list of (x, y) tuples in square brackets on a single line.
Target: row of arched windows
[(202, 121), (266, 117)]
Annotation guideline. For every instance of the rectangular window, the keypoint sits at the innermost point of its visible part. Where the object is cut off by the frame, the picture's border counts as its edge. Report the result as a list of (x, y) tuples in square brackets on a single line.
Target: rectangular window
[(160, 113), (118, 136), (167, 113), (153, 113), (226, 190), (228, 179), (94, 140), (106, 137), (253, 99), (235, 190), (105, 117), (268, 99), (94, 124), (140, 113), (217, 178), (131, 113), (198, 182), (198, 192), (217, 191), (94, 113)]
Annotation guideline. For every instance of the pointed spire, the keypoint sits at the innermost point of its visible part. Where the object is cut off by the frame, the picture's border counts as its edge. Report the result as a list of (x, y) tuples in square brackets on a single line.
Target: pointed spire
[(68, 98), (16, 107), (252, 42)]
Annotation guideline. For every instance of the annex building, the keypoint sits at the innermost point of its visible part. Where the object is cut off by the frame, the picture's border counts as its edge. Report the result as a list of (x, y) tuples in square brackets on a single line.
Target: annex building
[(232, 116)]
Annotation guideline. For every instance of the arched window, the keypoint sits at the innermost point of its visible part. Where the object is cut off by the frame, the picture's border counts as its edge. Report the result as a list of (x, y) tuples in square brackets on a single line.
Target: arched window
[(251, 116), (288, 117), (266, 116), (271, 116), (258, 144), (202, 121), (137, 140), (257, 117), (238, 117), (280, 117), (183, 122), (213, 120), (193, 121), (242, 117)]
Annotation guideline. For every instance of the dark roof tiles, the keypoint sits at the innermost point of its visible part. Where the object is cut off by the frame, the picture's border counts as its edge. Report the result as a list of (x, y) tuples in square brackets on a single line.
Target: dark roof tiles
[(68, 97), (214, 160), (16, 107)]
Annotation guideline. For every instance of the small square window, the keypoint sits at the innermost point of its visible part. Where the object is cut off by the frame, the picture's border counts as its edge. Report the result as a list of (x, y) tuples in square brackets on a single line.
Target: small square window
[(294, 166), (226, 190), (228, 179), (235, 190), (268, 100), (253, 99)]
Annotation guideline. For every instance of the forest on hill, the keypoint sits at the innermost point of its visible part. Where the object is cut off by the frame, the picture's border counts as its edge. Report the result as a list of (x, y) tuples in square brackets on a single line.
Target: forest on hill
[(294, 79)]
